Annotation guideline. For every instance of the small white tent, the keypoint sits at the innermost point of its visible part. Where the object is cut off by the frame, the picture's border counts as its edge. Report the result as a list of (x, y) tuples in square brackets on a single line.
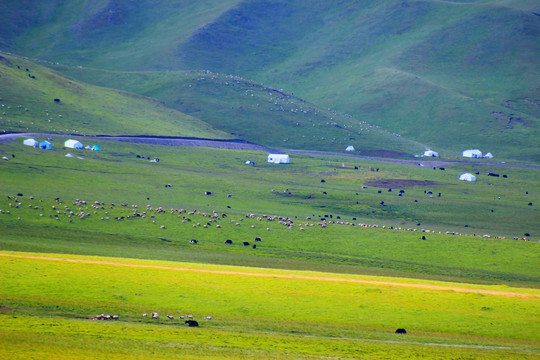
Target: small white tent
[(31, 142), (488, 156), (349, 148), (69, 155), (278, 158), (472, 153), (467, 177), (431, 153), (73, 144)]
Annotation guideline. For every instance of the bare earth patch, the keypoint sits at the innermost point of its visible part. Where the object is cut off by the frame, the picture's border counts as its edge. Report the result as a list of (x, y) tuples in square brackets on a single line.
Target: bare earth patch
[(400, 183)]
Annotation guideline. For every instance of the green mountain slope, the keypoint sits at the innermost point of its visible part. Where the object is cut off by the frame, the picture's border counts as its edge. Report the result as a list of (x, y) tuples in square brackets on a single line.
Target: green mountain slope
[(253, 111), (28, 92), (468, 70)]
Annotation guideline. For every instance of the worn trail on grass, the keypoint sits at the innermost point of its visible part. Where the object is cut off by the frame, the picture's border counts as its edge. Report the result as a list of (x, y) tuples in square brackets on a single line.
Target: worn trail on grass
[(286, 276)]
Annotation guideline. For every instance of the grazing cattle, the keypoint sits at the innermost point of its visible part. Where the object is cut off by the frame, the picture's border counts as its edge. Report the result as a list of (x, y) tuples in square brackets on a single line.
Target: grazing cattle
[(193, 241), (401, 331), (258, 239), (530, 204), (322, 180), (192, 323), (228, 241), (382, 203), (442, 169), (207, 193), (254, 246), (493, 174), (56, 100), (505, 176), (380, 191), (246, 243), (423, 238)]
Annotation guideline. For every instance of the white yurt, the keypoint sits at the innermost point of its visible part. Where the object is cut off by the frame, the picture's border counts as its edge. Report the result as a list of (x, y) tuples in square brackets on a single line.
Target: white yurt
[(349, 148), (472, 153), (278, 158), (431, 153), (31, 142), (467, 177), (488, 156), (73, 144)]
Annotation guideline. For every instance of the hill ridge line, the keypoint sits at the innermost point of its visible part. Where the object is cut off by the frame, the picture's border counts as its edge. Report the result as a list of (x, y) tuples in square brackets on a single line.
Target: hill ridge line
[(284, 276)]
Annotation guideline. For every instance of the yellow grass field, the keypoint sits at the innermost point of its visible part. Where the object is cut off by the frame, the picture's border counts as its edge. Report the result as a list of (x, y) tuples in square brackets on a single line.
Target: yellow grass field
[(48, 303)]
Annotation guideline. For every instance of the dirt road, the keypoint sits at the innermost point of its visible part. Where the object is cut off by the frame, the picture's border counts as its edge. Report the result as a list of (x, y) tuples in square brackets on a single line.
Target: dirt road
[(243, 145), (287, 276)]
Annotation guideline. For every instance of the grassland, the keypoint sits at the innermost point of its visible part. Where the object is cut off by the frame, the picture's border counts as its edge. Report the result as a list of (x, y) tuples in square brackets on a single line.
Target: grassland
[(296, 191), (274, 312), (294, 318)]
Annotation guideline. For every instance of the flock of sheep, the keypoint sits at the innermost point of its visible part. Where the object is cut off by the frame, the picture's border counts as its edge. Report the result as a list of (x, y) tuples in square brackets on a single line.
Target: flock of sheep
[(82, 209)]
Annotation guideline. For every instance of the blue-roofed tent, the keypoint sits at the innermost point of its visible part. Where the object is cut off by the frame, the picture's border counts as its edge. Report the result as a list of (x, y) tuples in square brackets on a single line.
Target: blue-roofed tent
[(96, 148), (45, 145)]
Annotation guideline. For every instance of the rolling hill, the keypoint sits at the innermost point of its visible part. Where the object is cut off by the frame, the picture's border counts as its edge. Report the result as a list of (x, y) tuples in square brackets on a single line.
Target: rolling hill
[(37, 99), (420, 69)]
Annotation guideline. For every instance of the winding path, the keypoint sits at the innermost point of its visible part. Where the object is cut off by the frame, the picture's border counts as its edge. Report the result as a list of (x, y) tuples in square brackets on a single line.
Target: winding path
[(287, 276)]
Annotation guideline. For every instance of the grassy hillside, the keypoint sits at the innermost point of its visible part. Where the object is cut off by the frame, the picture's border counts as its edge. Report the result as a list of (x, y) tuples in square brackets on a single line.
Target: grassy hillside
[(415, 68), (252, 111), (28, 92)]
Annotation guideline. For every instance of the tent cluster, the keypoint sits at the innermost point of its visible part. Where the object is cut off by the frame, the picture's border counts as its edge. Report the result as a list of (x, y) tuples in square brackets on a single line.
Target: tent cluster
[(71, 144), (45, 145)]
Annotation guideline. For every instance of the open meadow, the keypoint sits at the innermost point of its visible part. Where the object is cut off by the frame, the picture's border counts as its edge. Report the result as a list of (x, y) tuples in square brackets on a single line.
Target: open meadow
[(309, 224), (52, 306)]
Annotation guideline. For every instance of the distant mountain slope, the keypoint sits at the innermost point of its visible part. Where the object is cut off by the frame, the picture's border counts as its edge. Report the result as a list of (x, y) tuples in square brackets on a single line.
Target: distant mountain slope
[(34, 98), (253, 111), (420, 68)]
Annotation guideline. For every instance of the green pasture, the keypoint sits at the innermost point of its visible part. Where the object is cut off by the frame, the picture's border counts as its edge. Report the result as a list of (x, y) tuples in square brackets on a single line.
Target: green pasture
[(254, 316), (115, 176)]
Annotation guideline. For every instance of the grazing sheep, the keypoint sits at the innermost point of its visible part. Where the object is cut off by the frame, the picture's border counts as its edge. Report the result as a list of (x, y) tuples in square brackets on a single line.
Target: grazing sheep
[(208, 317), (170, 317)]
